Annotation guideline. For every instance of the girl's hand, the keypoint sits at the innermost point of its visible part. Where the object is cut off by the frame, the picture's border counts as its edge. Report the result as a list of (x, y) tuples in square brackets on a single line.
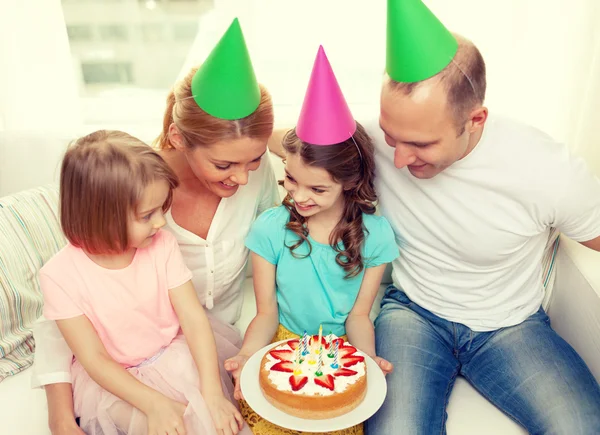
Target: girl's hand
[(234, 366), (226, 417), (385, 366), (166, 417)]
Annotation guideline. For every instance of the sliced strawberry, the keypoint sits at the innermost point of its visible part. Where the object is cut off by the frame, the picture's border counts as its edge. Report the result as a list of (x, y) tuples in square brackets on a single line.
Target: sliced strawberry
[(349, 361), (282, 355), (297, 382), (315, 338), (283, 366), (340, 343), (326, 381), (293, 344), (346, 351), (342, 371)]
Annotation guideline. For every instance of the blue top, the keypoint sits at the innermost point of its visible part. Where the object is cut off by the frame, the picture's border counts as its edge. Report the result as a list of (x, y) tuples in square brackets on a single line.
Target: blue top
[(313, 290)]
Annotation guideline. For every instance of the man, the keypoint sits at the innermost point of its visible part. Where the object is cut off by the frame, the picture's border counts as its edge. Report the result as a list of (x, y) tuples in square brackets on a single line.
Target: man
[(472, 198)]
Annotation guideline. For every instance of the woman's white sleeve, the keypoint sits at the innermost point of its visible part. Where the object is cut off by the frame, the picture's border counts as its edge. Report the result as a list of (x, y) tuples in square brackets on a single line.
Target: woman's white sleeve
[(53, 357)]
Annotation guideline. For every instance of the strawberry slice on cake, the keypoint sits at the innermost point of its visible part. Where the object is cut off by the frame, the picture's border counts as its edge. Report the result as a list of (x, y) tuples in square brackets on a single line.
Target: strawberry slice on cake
[(283, 366), (293, 344), (297, 382), (326, 381), (351, 360), (282, 354)]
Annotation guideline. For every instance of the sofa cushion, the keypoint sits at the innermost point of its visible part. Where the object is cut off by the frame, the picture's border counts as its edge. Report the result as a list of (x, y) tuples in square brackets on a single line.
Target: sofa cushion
[(29, 235)]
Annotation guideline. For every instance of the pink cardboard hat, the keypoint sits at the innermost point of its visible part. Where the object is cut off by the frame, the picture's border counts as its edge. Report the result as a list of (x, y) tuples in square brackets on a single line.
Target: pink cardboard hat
[(325, 118)]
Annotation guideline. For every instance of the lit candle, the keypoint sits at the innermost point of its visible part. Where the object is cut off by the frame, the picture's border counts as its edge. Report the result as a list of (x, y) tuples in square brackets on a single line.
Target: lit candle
[(297, 362), (320, 364), (319, 343), (335, 364), (304, 344)]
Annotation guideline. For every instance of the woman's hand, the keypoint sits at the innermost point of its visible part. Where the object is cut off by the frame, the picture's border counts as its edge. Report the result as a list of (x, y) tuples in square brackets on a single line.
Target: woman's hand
[(226, 417), (65, 428), (165, 416), (385, 366), (234, 366)]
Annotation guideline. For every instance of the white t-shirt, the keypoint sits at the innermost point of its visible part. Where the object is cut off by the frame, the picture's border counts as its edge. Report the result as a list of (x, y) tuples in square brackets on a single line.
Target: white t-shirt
[(217, 265), (471, 239)]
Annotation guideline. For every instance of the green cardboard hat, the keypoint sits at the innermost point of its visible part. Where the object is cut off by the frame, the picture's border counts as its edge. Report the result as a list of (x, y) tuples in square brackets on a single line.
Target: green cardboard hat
[(418, 44), (225, 85)]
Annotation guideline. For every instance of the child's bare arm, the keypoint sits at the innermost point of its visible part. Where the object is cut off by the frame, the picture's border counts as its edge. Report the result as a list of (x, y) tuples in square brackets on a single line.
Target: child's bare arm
[(261, 330), (358, 324), (199, 336), (162, 412), (264, 325), (201, 340)]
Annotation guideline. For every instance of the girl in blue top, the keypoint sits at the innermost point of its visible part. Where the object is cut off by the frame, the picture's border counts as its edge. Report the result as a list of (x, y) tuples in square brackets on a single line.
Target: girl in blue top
[(318, 259)]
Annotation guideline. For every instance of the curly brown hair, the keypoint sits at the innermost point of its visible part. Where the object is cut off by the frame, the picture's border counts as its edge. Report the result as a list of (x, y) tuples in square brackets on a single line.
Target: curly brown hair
[(350, 163)]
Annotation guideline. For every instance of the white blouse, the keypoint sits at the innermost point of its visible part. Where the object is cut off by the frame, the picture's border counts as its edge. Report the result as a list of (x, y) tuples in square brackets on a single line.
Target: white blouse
[(218, 266)]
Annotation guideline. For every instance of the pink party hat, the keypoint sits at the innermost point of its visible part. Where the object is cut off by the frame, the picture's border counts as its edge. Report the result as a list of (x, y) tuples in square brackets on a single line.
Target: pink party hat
[(325, 118)]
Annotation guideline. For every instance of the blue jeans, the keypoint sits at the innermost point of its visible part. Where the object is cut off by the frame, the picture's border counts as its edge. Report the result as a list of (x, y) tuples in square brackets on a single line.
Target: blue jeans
[(527, 370)]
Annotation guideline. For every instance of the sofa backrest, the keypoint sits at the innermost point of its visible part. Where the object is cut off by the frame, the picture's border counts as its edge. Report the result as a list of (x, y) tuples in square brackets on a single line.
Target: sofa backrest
[(30, 235)]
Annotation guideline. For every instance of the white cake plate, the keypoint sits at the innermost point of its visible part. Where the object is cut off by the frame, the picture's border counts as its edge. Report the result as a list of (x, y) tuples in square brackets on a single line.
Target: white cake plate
[(376, 391)]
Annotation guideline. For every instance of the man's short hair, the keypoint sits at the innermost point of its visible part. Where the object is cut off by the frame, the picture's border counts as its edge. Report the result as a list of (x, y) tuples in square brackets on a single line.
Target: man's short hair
[(464, 80)]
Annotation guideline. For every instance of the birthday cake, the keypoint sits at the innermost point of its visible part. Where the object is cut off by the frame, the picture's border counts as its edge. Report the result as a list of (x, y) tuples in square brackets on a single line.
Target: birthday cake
[(314, 378)]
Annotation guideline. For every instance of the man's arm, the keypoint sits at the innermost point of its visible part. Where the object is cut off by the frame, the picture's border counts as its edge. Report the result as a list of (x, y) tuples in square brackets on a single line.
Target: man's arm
[(593, 244)]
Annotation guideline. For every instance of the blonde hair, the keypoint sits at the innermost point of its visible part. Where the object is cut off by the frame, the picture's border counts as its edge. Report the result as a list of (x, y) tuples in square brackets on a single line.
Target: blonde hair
[(464, 80), (102, 180), (201, 129)]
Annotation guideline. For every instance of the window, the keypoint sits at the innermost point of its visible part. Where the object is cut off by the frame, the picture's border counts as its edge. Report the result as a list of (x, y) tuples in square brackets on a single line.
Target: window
[(113, 33), (107, 73), (184, 30), (79, 33), (153, 32)]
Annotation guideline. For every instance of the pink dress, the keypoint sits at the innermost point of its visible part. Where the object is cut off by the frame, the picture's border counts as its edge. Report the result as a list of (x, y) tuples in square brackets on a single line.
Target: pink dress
[(132, 313)]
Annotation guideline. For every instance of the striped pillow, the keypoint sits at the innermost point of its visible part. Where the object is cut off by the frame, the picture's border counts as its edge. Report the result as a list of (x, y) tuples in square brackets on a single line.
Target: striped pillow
[(30, 235)]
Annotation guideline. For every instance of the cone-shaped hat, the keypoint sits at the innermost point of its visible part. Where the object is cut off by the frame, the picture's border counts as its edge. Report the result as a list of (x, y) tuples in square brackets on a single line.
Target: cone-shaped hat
[(418, 44), (225, 85), (325, 118)]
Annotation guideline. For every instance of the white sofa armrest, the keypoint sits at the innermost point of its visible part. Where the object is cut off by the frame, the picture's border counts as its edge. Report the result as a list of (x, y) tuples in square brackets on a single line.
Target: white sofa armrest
[(574, 306)]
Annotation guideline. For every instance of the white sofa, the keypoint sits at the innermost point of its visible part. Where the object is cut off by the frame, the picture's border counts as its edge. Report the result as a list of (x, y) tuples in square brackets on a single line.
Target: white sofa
[(573, 305)]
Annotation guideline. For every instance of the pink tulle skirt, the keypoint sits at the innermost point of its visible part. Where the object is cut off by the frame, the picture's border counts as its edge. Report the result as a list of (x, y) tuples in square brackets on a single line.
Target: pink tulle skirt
[(171, 372)]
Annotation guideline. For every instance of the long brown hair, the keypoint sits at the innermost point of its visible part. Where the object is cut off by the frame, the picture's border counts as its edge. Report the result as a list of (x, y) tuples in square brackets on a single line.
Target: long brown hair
[(201, 129), (102, 179), (350, 163)]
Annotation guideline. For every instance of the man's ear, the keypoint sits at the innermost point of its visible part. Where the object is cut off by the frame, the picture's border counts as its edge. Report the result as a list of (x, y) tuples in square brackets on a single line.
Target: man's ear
[(478, 117)]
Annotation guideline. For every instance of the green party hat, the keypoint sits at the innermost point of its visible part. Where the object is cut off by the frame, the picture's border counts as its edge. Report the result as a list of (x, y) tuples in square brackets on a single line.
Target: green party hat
[(418, 44), (225, 85)]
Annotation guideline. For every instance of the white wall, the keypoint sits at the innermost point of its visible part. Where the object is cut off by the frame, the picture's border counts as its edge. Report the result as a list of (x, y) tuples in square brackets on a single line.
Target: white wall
[(543, 59)]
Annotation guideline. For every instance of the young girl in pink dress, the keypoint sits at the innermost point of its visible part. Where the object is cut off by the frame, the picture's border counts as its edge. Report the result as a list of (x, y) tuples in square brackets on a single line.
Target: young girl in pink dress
[(146, 356)]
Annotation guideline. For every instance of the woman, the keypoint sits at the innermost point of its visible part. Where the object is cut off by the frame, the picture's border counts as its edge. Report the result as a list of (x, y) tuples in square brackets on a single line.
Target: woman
[(215, 133)]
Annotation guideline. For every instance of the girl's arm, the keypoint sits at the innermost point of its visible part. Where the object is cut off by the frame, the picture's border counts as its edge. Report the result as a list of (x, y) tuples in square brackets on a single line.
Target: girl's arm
[(163, 414), (201, 341), (358, 324), (263, 327)]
